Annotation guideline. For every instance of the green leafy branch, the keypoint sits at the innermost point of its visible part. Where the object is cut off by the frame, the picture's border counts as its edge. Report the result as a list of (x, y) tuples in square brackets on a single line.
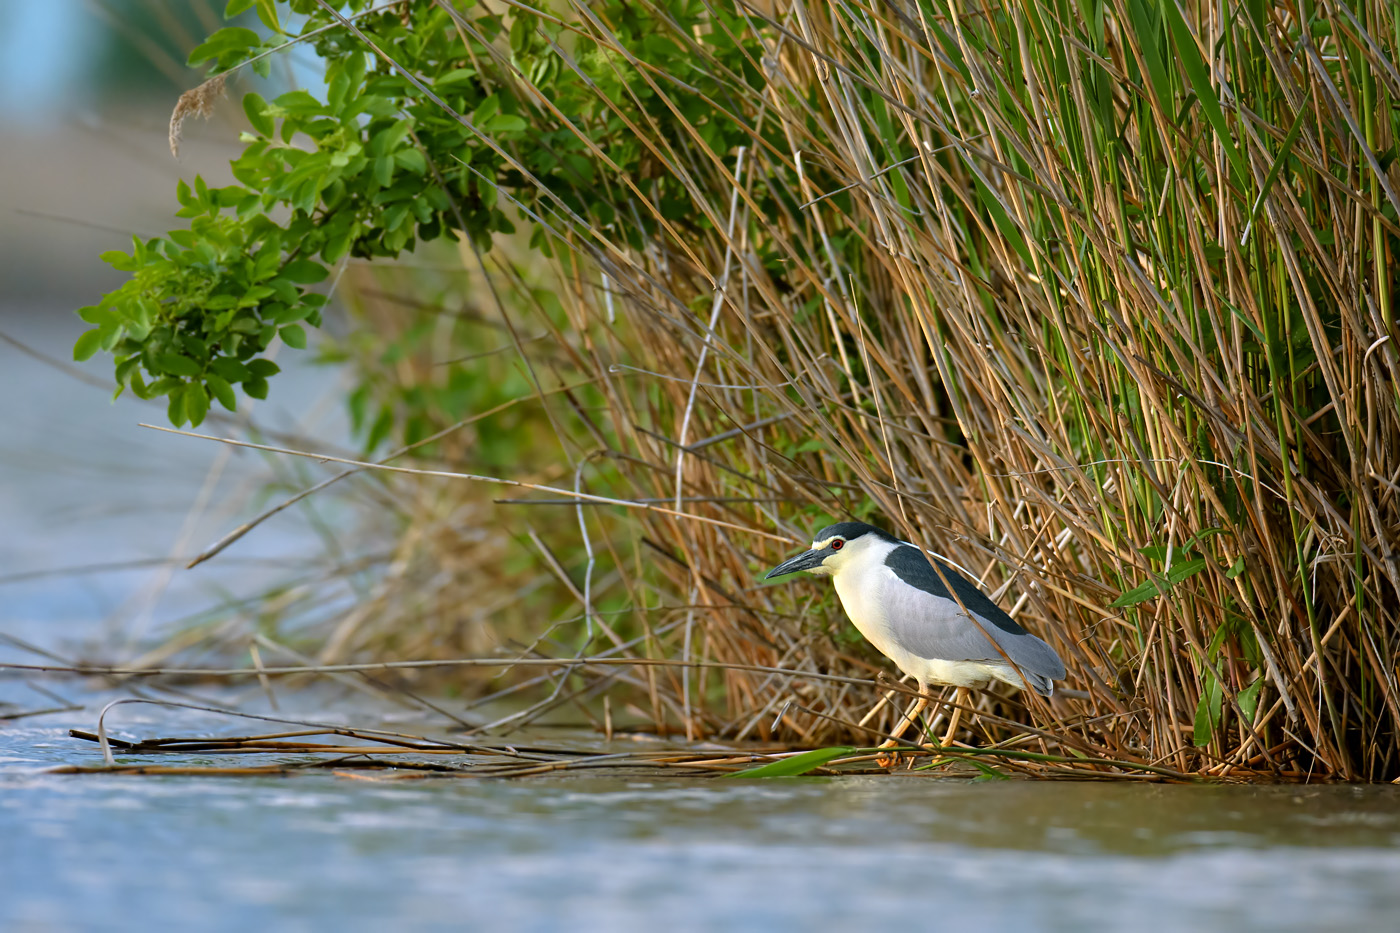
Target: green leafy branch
[(374, 168)]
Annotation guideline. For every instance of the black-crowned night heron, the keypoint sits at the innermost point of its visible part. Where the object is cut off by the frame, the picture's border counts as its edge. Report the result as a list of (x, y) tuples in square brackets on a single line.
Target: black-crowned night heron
[(901, 602)]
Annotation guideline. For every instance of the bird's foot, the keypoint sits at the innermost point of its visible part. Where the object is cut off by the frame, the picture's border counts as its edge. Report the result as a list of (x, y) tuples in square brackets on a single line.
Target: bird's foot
[(887, 760)]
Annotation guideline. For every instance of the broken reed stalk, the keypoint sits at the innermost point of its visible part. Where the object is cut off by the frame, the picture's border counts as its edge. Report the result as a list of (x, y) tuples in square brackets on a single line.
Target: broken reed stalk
[(516, 761)]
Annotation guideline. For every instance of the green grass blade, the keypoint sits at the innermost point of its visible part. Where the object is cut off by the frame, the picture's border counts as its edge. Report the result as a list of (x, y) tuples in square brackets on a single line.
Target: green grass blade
[(1205, 91), (797, 764), (1274, 172)]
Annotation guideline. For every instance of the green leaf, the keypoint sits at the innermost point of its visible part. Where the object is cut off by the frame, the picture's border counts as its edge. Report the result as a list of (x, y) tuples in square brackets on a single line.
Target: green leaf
[(1185, 571), (1003, 221), (256, 387), (226, 41), (1196, 71), (125, 369), (222, 391), (1139, 594), (522, 30), (1148, 33), (1208, 711), (380, 429), (267, 12), (255, 108), (412, 160), (796, 764), (95, 314), (294, 336), (336, 90), (1201, 537), (1274, 170), (384, 170), (175, 408), (1159, 586), (231, 369), (88, 344), (488, 109), (505, 123), (1244, 319), (196, 403), (254, 296), (237, 6), (299, 103), (1236, 568), (1249, 699), (118, 260), (138, 385), (395, 215), (1217, 641), (288, 314), (177, 365), (456, 76), (304, 271), (356, 403), (264, 369)]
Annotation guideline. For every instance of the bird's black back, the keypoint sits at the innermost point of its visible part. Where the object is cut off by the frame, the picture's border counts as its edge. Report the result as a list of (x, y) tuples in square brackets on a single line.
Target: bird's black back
[(916, 569)]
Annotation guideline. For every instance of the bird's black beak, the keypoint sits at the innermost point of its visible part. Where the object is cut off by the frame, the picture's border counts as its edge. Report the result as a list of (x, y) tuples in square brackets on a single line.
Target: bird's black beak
[(804, 561)]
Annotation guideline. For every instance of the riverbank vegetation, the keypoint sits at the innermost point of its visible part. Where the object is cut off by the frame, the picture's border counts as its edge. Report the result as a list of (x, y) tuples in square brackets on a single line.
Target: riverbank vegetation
[(1094, 299)]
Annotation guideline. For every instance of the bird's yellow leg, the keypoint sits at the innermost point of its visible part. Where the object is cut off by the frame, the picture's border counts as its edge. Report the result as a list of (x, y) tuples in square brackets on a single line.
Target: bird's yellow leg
[(905, 721), (960, 698)]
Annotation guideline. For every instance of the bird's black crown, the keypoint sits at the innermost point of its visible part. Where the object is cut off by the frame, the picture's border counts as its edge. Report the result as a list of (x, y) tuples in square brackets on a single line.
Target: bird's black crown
[(852, 530)]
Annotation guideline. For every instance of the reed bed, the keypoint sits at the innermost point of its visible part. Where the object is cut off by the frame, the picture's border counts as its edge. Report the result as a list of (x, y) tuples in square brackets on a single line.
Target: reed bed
[(1092, 299)]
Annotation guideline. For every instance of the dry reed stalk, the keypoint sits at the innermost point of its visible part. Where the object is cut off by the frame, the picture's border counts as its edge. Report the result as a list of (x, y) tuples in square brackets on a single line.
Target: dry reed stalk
[(516, 761)]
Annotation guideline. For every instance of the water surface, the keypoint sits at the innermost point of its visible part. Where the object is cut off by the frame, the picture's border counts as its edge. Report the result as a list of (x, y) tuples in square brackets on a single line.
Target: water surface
[(586, 853)]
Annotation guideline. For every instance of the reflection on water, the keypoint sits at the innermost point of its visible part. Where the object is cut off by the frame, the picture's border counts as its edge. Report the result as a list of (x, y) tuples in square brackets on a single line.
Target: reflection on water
[(588, 853)]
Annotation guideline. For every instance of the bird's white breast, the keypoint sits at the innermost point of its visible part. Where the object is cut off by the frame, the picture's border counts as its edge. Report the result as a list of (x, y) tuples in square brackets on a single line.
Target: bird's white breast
[(861, 585)]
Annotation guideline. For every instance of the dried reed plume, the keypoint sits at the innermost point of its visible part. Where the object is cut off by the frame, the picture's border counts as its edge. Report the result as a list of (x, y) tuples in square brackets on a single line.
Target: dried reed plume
[(196, 102)]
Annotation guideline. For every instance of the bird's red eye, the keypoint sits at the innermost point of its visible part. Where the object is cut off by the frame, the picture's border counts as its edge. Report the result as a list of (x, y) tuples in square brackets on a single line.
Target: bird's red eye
[(838, 544)]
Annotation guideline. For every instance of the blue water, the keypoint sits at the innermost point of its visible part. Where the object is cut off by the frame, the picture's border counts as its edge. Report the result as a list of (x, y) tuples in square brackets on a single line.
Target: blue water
[(84, 488), (318, 851)]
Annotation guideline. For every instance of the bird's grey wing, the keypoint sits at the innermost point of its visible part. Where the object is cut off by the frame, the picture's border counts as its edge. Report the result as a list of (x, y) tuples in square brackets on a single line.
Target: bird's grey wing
[(924, 619)]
